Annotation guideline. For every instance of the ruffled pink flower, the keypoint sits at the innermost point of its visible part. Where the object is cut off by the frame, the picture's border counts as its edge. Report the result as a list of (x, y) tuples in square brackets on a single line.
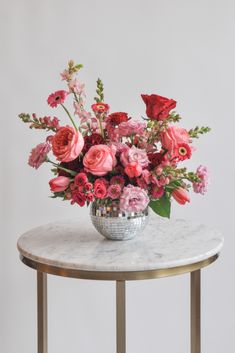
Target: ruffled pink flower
[(133, 199), (201, 187), (56, 98), (134, 154), (131, 127), (38, 154), (114, 191)]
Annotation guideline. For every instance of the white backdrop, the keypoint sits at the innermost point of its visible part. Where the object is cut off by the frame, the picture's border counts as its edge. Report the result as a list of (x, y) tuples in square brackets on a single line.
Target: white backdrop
[(181, 49)]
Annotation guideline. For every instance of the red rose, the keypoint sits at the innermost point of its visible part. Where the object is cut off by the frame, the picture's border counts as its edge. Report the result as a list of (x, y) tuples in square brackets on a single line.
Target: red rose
[(116, 118), (158, 107)]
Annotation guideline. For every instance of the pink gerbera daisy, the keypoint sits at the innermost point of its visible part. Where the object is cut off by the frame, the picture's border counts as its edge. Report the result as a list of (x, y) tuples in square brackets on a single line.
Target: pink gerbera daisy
[(56, 98), (182, 151)]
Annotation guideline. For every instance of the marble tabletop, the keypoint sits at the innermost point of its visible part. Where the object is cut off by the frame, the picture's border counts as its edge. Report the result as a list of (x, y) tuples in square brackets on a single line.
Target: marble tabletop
[(75, 244)]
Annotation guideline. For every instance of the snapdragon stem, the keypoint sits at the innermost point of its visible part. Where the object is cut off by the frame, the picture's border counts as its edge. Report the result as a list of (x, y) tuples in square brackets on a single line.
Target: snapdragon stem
[(101, 127), (70, 117)]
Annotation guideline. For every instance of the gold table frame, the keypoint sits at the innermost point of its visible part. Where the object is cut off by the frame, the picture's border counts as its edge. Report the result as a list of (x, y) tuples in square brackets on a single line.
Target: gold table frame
[(120, 277)]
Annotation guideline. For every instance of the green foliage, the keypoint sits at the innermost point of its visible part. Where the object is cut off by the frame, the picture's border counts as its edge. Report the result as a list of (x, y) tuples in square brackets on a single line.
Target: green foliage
[(174, 117), (161, 206), (194, 133), (99, 91)]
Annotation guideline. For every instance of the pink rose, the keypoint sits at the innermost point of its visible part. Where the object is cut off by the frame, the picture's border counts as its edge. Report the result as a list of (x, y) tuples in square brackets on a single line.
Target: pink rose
[(133, 169), (134, 154), (173, 136), (181, 195), (59, 183), (100, 159), (67, 144)]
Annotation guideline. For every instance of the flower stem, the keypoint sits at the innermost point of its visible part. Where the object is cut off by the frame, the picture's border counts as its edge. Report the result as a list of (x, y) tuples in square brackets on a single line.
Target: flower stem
[(101, 127), (71, 172), (70, 117)]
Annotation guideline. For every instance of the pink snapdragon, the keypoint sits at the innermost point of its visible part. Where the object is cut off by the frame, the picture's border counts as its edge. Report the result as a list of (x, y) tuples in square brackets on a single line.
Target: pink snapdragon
[(201, 186), (133, 199), (130, 127), (75, 86), (38, 154)]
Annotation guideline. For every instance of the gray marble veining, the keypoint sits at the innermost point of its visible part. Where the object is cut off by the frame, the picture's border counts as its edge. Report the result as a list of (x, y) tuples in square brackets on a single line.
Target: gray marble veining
[(163, 244)]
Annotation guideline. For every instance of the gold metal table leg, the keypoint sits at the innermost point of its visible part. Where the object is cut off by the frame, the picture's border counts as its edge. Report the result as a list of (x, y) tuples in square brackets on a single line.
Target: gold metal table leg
[(42, 311), (196, 311), (121, 316)]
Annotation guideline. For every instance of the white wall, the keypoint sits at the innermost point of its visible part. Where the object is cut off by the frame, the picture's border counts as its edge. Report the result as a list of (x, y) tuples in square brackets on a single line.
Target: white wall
[(182, 49)]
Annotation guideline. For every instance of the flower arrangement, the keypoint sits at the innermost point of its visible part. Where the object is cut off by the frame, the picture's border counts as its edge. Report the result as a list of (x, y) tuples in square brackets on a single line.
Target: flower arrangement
[(111, 157)]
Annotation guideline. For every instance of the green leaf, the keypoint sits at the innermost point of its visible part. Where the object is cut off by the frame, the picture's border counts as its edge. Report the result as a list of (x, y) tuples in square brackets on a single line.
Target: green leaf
[(161, 206)]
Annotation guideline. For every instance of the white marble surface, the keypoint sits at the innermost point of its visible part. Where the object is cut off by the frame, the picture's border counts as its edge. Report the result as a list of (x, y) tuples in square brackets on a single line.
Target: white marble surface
[(163, 244)]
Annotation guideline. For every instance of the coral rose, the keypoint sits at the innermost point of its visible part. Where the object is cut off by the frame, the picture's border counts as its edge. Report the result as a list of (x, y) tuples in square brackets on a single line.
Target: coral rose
[(100, 159), (181, 195), (173, 136), (158, 107), (59, 183), (67, 144)]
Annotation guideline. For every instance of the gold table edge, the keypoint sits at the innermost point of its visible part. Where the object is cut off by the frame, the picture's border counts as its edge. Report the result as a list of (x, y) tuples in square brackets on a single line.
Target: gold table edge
[(117, 275)]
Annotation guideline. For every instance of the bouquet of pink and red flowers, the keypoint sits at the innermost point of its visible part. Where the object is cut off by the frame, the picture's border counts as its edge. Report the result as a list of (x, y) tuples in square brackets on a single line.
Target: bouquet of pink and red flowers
[(111, 157)]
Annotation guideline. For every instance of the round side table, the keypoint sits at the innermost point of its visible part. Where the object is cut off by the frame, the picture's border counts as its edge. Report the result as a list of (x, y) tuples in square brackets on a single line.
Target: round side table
[(75, 249)]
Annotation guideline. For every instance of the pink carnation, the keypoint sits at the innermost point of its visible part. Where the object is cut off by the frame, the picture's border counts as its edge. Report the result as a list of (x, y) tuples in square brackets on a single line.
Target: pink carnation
[(38, 154), (133, 199), (201, 186), (114, 191), (131, 127), (134, 154)]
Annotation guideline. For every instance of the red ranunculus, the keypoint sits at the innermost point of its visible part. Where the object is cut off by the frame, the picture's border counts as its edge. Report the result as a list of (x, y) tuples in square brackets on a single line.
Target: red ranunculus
[(94, 139), (158, 107), (155, 158), (116, 118)]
